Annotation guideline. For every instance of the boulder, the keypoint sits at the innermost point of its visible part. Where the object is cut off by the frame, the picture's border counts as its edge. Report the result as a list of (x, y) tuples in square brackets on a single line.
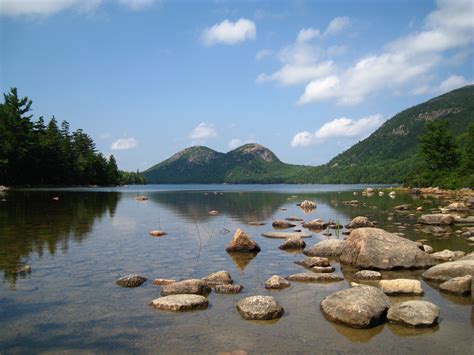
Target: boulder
[(359, 222), (192, 286), (180, 303), (448, 255), (285, 235), (323, 269), (368, 275), (25, 269), (401, 287), (459, 285), (259, 308), (281, 224), (228, 289), (308, 205), (373, 248), (317, 224), (132, 280), (427, 248), (357, 307), (457, 206), (312, 261), (160, 282), (414, 313), (218, 278), (276, 282), (241, 242), (317, 277), (330, 247), (446, 271), (294, 242), (138, 198), (157, 233), (436, 219)]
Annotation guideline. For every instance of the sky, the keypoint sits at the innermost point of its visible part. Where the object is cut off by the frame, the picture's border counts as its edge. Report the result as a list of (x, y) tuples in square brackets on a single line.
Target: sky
[(307, 79)]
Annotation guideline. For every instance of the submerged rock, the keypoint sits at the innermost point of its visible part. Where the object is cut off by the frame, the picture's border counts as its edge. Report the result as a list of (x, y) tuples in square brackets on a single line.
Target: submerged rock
[(317, 224), (241, 242), (312, 261), (373, 248), (282, 224), (401, 287), (317, 277), (368, 275), (218, 278), (446, 271), (160, 282), (25, 269), (330, 247), (229, 289), (294, 219), (414, 313), (180, 303), (458, 285), (357, 307), (132, 280), (294, 242), (157, 233), (259, 308), (285, 235), (276, 282), (360, 222), (257, 223), (192, 286)]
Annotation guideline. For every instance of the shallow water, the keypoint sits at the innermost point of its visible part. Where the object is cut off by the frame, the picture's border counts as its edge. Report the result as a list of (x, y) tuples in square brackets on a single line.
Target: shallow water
[(79, 245)]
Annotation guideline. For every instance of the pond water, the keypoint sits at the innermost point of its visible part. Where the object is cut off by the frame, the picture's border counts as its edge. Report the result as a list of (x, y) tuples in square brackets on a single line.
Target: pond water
[(81, 243)]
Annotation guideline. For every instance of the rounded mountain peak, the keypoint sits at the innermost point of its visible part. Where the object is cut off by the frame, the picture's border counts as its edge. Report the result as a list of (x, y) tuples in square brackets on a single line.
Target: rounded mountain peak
[(195, 155), (258, 151)]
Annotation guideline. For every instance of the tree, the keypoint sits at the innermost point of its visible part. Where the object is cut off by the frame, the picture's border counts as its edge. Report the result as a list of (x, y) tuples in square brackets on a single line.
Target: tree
[(438, 148)]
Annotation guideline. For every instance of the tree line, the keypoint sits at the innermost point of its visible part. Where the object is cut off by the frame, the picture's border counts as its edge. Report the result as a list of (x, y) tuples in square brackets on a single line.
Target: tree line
[(48, 153)]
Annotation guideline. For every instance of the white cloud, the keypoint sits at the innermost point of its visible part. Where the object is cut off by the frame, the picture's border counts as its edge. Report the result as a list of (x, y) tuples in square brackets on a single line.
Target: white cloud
[(307, 34), (262, 54), (137, 5), (228, 32), (291, 74), (124, 143), (234, 143), (337, 128), (203, 131), (337, 25), (45, 7), (105, 135), (453, 82)]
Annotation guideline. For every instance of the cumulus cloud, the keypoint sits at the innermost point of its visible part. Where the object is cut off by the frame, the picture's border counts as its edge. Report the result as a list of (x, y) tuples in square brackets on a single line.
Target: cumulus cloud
[(307, 34), (45, 7), (124, 144), (203, 131), (262, 54), (228, 32), (338, 128), (337, 25), (450, 83)]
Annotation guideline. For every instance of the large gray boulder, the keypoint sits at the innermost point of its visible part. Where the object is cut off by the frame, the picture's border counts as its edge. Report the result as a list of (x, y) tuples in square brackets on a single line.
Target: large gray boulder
[(330, 247), (373, 248), (180, 303), (436, 219), (192, 286), (446, 271), (358, 307), (259, 308), (414, 313), (241, 242)]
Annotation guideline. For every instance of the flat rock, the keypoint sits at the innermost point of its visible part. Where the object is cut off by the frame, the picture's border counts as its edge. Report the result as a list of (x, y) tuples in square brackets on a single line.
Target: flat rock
[(458, 285), (317, 224), (276, 282), (192, 286), (323, 269), (457, 206), (259, 308), (282, 224), (357, 307), (317, 277), (294, 219), (374, 248), (368, 275), (241, 242), (446, 271), (330, 247), (257, 223), (312, 261), (160, 282), (401, 287), (157, 233), (414, 313), (436, 219), (285, 235), (180, 303), (132, 280), (448, 255), (218, 278), (295, 242), (228, 289), (360, 222)]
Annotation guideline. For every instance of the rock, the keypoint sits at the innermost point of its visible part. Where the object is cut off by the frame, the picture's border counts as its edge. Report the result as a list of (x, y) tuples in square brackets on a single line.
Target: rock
[(405, 207), (180, 303), (381, 193), (257, 223), (368, 275), (192, 286), (392, 194), (434, 230), (308, 205), (401, 287), (373, 248), (259, 308), (132, 280), (330, 247), (25, 269), (323, 269), (312, 261), (446, 271), (282, 224), (448, 255), (459, 285), (317, 224), (357, 307), (359, 222), (218, 278), (294, 242), (228, 289), (427, 249), (318, 277), (294, 219), (369, 190), (436, 219), (457, 206), (241, 242), (141, 198), (213, 213), (56, 198), (276, 282), (351, 203), (419, 208), (157, 233), (160, 282), (285, 235), (414, 313), (466, 220)]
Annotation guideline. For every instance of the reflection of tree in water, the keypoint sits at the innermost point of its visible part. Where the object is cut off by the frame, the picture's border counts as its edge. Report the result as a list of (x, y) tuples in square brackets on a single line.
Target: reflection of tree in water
[(32, 222)]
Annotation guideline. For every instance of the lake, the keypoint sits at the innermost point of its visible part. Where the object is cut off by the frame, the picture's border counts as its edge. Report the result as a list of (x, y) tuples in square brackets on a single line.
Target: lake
[(80, 244)]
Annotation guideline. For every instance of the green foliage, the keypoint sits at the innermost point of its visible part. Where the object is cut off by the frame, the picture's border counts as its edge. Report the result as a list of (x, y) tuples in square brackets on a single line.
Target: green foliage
[(437, 146)]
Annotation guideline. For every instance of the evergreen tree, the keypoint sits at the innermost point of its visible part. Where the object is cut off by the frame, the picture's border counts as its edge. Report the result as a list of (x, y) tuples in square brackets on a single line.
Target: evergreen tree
[(438, 148)]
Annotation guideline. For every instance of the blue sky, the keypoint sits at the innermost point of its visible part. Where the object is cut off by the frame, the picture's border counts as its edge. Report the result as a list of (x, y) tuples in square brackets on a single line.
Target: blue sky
[(307, 79)]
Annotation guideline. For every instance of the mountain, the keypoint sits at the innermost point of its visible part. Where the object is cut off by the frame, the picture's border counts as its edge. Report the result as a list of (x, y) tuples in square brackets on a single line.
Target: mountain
[(387, 156)]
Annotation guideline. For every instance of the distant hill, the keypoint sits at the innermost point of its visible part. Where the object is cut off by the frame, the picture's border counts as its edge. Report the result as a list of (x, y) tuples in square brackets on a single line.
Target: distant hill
[(386, 156)]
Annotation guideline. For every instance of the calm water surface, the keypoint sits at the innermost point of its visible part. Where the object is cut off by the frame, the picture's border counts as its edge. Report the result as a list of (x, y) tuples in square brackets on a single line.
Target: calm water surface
[(79, 245)]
